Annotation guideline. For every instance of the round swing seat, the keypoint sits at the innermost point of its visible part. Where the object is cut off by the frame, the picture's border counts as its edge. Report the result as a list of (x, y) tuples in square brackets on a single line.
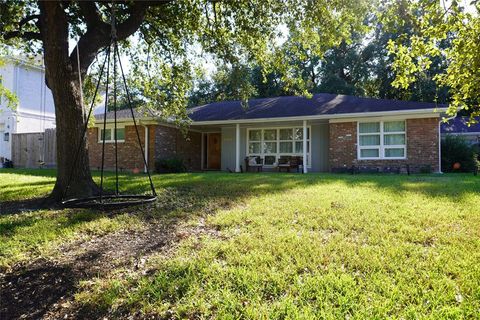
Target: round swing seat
[(109, 201)]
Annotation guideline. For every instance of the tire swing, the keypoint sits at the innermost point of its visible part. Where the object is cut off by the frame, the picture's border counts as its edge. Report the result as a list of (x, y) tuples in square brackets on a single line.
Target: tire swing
[(109, 200)]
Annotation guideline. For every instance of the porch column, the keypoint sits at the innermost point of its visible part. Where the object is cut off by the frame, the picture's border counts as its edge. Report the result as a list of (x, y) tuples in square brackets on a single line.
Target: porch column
[(237, 148), (304, 146)]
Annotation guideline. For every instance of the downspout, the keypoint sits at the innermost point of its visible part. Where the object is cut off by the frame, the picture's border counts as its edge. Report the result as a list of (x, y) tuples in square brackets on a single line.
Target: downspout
[(145, 168), (440, 140)]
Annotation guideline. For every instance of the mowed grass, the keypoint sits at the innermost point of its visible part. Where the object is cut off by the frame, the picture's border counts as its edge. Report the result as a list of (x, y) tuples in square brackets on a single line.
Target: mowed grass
[(284, 246)]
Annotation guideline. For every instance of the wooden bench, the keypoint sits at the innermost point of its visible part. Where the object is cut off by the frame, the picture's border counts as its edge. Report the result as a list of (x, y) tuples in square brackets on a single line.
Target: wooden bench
[(289, 162), (258, 166)]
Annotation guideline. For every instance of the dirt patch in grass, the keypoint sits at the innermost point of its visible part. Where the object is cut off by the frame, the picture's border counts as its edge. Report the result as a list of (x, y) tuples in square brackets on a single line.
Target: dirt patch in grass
[(45, 288)]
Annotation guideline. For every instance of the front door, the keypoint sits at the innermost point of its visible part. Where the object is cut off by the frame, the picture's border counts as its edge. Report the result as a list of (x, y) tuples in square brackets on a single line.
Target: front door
[(213, 151)]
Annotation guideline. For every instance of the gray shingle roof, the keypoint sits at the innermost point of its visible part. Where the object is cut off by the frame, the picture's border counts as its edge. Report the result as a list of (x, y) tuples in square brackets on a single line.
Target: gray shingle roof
[(294, 106)]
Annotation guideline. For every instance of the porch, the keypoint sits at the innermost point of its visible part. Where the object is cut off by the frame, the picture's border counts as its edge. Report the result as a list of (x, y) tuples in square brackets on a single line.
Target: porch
[(225, 146)]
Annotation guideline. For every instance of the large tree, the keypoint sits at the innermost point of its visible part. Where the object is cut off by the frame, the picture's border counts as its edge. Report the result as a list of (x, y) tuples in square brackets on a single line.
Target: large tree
[(445, 30), (360, 65), (167, 32)]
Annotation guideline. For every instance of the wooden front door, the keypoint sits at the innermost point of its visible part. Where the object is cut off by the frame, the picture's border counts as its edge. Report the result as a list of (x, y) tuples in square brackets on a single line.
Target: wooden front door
[(214, 151)]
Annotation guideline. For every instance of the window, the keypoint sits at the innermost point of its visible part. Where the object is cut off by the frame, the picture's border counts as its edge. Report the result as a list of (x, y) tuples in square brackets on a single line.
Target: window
[(272, 143), (6, 136), (108, 135), (382, 140)]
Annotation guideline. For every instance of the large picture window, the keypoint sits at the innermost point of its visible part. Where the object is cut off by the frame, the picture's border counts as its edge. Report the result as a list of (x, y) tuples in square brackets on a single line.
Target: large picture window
[(272, 143), (382, 140), (109, 136)]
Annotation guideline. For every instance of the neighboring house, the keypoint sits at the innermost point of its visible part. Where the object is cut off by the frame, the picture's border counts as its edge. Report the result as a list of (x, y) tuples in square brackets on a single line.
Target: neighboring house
[(459, 127), (332, 132), (35, 111)]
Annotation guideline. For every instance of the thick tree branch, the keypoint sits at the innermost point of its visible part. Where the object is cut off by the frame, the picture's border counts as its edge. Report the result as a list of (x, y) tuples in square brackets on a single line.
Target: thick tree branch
[(90, 13), (27, 35), (27, 19), (98, 32)]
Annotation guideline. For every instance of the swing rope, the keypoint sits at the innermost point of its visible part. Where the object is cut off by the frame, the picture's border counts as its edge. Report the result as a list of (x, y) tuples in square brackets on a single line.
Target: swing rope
[(82, 139), (114, 38), (103, 137)]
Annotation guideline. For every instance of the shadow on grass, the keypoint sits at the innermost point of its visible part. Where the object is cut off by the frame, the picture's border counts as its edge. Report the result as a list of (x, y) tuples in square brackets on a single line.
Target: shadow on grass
[(213, 185), (452, 186), (45, 288), (180, 197), (33, 290), (27, 205)]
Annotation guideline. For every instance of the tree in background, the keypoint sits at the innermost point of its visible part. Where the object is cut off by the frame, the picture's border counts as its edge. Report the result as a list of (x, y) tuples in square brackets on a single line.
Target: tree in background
[(440, 30), (359, 65)]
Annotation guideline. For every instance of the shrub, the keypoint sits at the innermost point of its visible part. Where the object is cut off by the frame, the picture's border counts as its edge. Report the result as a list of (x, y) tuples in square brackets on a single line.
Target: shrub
[(8, 163), (425, 169), (458, 155), (170, 165)]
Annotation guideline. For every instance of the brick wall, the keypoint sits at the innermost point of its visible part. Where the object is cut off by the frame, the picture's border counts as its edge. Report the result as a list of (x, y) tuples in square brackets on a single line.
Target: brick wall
[(129, 152), (164, 142), (422, 146), (171, 142)]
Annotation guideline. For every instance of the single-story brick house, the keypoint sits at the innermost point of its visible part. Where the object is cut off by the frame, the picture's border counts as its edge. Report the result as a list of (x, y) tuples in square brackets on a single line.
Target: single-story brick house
[(332, 132), (459, 127)]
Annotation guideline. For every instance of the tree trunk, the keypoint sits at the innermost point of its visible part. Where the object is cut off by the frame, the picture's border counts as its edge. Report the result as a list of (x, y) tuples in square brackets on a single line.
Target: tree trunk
[(74, 178), (73, 171)]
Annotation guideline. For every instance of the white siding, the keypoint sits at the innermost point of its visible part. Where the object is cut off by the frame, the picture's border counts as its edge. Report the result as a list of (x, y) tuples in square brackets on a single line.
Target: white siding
[(35, 111)]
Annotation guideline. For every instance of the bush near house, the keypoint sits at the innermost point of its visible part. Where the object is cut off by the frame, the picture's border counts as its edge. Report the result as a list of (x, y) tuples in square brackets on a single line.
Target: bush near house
[(458, 155), (170, 165)]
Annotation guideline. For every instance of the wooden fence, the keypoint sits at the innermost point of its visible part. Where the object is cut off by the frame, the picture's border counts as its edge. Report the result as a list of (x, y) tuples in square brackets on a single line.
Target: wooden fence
[(34, 150)]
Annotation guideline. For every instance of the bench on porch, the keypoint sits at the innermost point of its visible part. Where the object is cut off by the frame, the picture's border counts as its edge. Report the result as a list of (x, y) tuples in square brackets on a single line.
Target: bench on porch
[(254, 163), (289, 162)]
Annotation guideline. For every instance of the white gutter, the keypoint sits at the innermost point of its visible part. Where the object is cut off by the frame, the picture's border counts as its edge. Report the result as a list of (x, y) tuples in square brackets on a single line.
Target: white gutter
[(440, 140), (324, 116)]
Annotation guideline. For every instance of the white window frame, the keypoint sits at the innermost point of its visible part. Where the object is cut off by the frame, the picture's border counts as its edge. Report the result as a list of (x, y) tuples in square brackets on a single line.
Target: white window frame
[(112, 137), (381, 148), (278, 153)]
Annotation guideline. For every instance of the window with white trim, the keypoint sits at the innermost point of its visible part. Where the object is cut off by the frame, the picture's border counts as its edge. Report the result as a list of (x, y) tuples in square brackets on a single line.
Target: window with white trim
[(109, 136), (272, 143), (382, 140)]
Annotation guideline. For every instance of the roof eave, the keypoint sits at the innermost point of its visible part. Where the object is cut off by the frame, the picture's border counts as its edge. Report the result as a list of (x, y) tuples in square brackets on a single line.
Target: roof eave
[(327, 116)]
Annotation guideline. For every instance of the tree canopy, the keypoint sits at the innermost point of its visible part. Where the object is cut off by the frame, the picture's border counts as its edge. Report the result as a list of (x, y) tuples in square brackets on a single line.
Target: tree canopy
[(167, 35), (360, 65), (440, 30), (171, 33)]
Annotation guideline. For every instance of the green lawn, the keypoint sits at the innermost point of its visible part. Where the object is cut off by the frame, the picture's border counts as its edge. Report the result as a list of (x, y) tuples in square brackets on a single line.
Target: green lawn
[(275, 245)]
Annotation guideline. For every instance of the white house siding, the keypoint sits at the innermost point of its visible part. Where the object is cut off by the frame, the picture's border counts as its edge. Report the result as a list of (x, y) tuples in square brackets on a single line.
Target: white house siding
[(35, 111)]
